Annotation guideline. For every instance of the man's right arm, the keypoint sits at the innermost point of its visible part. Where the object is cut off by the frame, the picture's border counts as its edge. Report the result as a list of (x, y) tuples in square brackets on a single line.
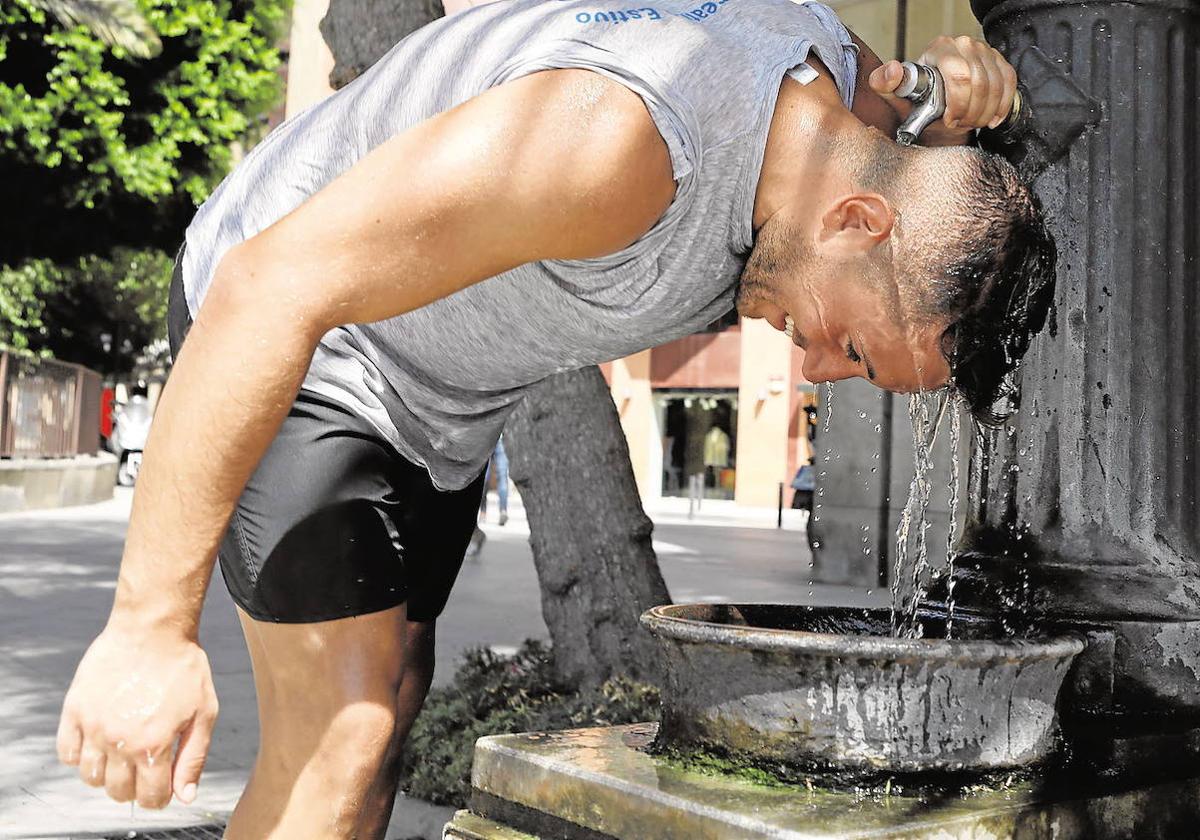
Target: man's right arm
[(560, 164)]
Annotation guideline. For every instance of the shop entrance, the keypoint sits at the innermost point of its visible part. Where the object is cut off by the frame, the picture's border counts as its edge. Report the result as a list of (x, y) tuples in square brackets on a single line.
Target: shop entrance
[(699, 437)]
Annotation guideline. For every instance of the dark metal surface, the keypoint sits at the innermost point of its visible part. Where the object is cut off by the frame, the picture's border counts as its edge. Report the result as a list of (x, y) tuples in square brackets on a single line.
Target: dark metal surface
[(827, 687), (1054, 112), (1087, 512)]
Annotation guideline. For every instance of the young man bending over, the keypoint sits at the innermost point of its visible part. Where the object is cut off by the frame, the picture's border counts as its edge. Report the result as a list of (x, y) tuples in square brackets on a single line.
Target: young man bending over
[(521, 189)]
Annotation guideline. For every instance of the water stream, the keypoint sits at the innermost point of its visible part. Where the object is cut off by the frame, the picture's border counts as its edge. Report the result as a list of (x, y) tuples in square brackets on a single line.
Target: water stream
[(912, 549), (927, 413), (955, 433)]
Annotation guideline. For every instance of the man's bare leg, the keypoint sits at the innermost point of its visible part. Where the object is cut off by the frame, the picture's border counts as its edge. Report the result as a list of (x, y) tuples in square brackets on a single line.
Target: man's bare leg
[(417, 677), (327, 699)]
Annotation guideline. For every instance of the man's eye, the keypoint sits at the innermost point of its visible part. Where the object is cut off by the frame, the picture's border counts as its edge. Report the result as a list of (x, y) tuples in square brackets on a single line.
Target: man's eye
[(852, 354)]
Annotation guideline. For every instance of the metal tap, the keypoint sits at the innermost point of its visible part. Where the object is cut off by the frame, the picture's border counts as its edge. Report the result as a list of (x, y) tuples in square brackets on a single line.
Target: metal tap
[(923, 86)]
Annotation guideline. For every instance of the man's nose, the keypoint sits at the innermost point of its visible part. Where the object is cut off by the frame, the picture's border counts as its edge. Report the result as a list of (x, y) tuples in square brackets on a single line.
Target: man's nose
[(823, 366)]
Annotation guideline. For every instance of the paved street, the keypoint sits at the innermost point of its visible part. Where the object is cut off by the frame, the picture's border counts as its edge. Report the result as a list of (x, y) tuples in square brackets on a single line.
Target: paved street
[(57, 572)]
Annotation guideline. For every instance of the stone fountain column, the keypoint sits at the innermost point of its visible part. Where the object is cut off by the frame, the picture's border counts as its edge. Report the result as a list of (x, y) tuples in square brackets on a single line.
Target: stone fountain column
[(1088, 505)]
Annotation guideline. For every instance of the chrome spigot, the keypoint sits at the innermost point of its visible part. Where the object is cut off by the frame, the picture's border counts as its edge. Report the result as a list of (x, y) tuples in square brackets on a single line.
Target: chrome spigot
[(923, 86)]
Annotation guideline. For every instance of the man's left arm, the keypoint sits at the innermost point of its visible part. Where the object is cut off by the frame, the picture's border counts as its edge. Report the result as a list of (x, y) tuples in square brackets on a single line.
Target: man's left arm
[(980, 85)]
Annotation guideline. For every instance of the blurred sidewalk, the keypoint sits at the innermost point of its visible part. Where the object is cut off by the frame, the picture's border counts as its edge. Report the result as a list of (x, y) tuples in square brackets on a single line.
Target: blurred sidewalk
[(674, 510)]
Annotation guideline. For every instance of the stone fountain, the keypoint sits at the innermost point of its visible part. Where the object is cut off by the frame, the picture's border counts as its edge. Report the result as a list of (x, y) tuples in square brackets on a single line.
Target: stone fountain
[(1088, 510), (1084, 529)]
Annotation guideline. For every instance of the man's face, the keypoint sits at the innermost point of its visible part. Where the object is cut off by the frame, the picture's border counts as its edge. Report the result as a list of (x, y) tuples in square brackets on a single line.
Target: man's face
[(847, 311)]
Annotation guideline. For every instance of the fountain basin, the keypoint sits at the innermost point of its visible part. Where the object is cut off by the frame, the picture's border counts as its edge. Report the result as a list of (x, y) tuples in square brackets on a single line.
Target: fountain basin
[(828, 688)]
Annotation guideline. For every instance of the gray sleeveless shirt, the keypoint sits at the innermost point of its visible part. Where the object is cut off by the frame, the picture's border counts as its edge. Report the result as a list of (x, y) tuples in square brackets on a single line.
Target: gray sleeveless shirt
[(439, 382)]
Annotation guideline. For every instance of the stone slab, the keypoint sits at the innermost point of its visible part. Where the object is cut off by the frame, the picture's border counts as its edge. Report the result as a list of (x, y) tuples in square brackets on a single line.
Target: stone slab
[(591, 783), (39, 483), (468, 826)]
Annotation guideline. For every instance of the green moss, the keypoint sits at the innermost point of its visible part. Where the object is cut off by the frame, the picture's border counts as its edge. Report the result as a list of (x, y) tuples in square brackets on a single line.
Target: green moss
[(709, 764), (873, 784)]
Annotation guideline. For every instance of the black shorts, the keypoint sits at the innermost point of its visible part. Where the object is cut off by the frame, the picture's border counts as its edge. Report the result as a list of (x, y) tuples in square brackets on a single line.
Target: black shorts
[(334, 522)]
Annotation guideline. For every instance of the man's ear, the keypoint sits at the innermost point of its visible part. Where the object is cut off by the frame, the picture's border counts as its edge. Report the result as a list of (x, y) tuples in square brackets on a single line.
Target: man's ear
[(858, 222)]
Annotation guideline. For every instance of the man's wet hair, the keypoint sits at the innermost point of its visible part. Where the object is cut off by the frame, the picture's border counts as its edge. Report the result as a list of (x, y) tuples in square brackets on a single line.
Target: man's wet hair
[(996, 284)]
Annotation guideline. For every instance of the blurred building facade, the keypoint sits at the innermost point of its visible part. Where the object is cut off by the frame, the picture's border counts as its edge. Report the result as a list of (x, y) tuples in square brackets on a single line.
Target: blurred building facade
[(725, 409)]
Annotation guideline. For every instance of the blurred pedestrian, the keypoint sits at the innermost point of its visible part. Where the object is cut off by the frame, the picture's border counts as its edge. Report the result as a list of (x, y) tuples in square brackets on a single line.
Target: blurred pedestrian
[(497, 466)]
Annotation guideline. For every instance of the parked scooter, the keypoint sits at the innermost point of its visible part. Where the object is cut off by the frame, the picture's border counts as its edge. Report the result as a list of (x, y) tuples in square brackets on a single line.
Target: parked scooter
[(131, 427)]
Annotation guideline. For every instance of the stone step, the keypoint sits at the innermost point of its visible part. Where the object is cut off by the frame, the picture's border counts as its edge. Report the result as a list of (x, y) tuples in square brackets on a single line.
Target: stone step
[(600, 784), (468, 826)]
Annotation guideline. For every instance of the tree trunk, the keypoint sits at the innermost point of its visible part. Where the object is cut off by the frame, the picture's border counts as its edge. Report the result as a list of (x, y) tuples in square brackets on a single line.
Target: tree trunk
[(590, 536), (359, 32)]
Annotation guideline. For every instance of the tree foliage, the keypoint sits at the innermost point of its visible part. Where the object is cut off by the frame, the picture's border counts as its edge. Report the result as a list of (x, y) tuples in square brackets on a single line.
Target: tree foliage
[(104, 157), (100, 311), (108, 149), (492, 695)]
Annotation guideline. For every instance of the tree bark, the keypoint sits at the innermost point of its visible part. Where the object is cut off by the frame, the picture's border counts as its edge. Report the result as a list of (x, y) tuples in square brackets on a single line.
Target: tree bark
[(359, 32), (590, 537)]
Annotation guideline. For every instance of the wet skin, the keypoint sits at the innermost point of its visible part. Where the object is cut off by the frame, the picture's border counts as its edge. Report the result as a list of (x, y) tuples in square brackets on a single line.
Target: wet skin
[(823, 257), (849, 324)]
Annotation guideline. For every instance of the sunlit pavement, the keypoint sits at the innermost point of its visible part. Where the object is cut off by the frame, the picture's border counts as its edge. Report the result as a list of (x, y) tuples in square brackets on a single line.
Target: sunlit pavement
[(57, 572)]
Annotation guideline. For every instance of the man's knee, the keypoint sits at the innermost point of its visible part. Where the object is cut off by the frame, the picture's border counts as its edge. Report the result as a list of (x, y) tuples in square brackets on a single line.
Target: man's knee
[(351, 755), (361, 729)]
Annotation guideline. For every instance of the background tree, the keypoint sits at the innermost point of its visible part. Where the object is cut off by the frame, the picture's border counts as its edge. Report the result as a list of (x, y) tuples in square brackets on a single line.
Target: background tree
[(590, 536), (105, 155)]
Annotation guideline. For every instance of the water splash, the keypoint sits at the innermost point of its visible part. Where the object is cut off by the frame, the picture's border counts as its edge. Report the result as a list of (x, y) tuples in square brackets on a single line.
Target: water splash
[(829, 395)]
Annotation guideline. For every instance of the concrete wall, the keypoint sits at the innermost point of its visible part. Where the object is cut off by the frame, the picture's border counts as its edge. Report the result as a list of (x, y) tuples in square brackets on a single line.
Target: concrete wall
[(629, 381), (763, 414), (35, 483), (310, 61), (875, 22)]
